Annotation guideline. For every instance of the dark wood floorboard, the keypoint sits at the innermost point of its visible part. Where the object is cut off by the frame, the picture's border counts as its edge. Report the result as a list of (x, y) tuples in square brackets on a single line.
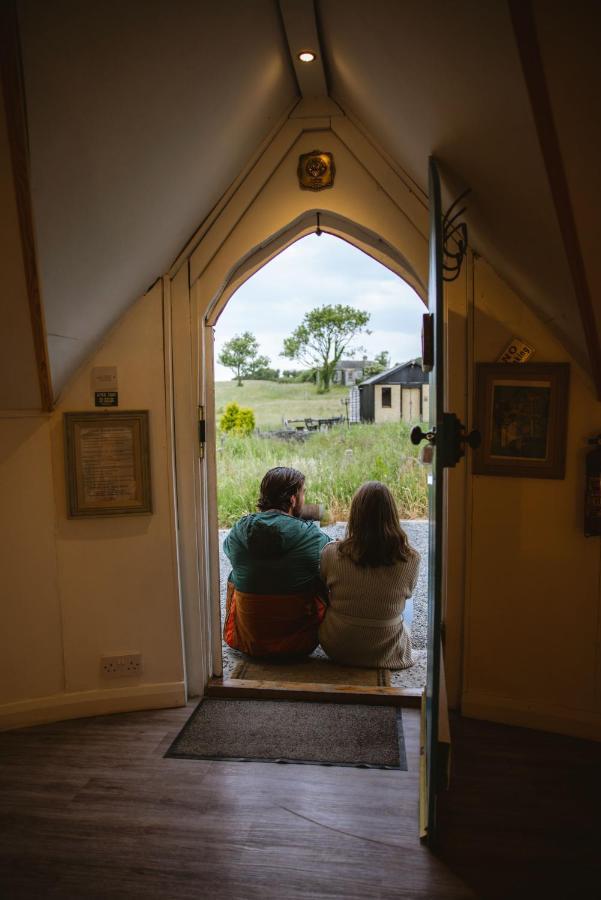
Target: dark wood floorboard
[(91, 809), (522, 817)]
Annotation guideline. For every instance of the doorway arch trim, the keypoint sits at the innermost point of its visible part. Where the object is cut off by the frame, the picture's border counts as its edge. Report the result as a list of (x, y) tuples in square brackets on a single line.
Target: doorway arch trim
[(357, 235)]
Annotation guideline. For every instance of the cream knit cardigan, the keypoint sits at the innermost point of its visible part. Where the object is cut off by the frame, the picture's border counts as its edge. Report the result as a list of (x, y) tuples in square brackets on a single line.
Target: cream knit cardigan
[(363, 625)]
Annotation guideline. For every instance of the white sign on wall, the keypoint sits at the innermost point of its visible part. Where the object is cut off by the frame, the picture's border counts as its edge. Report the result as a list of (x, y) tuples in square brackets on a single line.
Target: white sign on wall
[(105, 386), (517, 351)]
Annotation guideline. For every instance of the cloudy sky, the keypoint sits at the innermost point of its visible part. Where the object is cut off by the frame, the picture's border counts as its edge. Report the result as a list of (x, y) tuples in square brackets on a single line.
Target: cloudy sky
[(312, 272)]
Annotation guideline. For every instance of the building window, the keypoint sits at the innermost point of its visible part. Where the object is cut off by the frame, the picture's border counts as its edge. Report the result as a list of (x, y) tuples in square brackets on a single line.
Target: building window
[(386, 398)]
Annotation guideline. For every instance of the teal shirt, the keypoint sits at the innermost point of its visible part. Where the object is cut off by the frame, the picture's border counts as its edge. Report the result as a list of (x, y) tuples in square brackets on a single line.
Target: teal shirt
[(274, 553)]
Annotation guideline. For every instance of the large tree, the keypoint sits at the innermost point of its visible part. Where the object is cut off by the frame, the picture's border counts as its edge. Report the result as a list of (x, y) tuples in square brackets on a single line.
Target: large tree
[(323, 336), (241, 355)]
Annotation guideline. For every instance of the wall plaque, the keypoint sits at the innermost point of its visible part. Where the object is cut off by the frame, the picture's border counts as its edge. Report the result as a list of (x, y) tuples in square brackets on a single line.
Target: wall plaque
[(316, 171), (107, 463)]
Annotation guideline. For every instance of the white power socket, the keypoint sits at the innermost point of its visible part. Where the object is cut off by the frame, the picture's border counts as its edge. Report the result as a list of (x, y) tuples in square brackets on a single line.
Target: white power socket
[(121, 664)]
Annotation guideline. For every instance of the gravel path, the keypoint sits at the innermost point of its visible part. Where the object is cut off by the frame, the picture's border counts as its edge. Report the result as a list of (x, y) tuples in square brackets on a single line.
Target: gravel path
[(416, 610)]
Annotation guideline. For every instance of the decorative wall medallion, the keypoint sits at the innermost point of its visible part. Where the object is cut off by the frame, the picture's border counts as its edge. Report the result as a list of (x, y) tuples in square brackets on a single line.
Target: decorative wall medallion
[(316, 171)]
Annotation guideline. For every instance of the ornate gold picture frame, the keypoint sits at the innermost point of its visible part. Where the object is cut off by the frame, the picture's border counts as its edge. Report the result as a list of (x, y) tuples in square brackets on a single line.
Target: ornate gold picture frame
[(521, 412), (107, 460)]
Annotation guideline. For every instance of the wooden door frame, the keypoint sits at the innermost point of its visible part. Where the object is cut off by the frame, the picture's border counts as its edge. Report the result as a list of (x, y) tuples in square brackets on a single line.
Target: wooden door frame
[(329, 223), (377, 209)]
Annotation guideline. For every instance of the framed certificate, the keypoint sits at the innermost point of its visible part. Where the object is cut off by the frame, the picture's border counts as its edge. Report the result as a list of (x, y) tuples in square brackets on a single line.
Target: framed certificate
[(107, 461)]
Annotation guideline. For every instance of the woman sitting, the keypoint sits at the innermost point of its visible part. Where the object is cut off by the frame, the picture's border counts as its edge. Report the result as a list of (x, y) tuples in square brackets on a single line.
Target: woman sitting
[(370, 575)]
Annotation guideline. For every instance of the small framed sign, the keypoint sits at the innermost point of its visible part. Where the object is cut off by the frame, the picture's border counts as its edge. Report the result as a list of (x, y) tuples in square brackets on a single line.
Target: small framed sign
[(107, 460), (105, 386)]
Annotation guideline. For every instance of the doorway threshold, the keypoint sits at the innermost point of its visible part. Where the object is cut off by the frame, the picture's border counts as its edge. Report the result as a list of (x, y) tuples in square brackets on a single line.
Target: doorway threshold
[(246, 689)]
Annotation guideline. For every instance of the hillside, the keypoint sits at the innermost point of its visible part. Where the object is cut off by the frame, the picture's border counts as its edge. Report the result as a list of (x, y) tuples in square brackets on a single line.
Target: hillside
[(272, 401)]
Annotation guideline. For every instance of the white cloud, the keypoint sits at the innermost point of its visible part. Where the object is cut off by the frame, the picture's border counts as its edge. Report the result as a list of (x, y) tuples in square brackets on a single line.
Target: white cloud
[(317, 271)]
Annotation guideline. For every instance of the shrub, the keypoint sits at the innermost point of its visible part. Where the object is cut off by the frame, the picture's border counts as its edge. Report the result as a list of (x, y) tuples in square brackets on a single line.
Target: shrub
[(238, 420)]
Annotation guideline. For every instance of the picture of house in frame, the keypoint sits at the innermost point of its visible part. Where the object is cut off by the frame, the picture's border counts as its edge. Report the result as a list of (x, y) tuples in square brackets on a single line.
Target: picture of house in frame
[(399, 393)]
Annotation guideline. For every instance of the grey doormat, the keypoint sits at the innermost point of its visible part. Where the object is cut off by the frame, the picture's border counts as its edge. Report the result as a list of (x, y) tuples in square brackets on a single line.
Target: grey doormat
[(331, 734)]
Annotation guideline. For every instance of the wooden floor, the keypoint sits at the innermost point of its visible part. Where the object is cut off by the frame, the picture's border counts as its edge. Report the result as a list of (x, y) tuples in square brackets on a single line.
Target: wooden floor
[(90, 808), (523, 816)]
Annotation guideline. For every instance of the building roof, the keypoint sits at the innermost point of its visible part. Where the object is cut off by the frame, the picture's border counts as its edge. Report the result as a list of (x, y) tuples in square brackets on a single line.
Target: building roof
[(354, 363), (382, 376)]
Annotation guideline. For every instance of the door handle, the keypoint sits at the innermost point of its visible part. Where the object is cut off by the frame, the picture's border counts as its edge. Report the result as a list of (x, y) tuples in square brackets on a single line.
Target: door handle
[(417, 436), (454, 439)]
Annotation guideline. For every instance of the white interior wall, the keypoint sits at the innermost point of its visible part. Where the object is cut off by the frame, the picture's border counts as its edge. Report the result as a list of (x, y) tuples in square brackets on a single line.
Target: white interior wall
[(31, 657), (81, 588), (533, 616)]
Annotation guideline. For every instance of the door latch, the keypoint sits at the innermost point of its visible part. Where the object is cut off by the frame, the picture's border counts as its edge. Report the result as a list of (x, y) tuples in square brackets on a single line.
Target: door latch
[(202, 432)]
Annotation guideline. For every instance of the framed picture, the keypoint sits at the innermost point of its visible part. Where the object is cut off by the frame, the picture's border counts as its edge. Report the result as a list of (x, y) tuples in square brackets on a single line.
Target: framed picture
[(107, 463), (521, 413)]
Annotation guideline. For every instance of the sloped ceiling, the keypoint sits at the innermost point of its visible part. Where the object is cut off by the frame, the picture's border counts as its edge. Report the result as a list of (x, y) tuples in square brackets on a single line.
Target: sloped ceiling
[(142, 112), (458, 92)]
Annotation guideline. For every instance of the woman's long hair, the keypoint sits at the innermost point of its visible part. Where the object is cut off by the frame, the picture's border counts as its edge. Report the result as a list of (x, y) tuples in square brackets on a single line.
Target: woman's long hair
[(374, 536)]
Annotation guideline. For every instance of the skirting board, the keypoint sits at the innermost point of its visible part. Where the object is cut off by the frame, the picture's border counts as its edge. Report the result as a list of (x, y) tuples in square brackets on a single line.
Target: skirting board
[(578, 723), (58, 707)]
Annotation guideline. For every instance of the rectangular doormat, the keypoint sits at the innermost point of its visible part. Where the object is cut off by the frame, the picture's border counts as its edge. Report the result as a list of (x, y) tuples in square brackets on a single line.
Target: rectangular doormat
[(313, 670), (330, 734)]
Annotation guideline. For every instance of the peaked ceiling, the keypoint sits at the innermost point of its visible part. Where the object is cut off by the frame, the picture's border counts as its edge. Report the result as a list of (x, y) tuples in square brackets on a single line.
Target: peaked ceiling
[(142, 112)]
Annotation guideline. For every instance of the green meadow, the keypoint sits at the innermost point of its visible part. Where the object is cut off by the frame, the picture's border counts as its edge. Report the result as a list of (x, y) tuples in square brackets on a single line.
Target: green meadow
[(273, 401), (334, 462)]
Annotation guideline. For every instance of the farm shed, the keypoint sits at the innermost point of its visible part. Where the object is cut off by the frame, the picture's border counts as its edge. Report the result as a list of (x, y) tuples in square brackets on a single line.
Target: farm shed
[(399, 393)]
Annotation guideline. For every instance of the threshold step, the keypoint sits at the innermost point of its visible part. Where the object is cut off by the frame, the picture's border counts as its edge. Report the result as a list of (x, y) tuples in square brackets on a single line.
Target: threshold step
[(245, 689)]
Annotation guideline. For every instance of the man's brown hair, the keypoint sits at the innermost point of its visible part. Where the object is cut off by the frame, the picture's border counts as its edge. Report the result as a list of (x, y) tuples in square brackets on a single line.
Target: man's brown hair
[(278, 487)]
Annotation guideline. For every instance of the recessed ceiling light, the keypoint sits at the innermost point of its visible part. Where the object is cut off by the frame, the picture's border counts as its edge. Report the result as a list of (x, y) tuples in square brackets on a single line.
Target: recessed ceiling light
[(306, 56)]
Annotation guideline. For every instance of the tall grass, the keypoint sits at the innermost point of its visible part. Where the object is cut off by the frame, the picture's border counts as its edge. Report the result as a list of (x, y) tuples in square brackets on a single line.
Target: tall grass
[(335, 463)]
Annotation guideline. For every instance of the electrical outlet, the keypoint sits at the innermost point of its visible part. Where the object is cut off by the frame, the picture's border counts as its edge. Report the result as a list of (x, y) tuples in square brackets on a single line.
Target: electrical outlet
[(121, 664)]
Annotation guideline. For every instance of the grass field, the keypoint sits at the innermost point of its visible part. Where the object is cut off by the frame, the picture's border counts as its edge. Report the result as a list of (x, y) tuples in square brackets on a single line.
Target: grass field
[(334, 462), (271, 401)]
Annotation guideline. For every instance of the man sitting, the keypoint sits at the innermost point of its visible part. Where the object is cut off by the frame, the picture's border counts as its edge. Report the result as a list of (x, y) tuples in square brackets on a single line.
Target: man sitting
[(273, 607)]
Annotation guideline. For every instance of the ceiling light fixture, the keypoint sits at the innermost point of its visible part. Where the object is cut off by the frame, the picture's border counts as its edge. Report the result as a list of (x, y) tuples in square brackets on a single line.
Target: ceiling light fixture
[(306, 56)]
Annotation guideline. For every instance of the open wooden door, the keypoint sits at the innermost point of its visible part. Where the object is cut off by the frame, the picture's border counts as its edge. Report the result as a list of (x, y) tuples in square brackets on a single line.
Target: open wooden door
[(447, 438)]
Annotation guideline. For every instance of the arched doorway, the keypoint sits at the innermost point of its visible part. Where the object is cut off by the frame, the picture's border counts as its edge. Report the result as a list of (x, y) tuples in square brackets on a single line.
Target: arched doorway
[(312, 272), (312, 221)]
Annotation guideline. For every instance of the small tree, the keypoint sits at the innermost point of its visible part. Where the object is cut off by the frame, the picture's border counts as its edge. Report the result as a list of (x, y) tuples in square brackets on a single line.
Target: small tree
[(241, 355), (323, 336), (380, 364), (237, 419)]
